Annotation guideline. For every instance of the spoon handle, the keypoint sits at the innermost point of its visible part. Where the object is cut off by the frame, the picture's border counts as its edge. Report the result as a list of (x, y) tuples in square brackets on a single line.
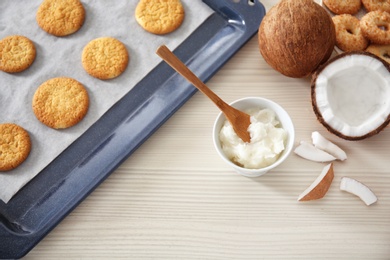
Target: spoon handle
[(239, 120), (183, 70)]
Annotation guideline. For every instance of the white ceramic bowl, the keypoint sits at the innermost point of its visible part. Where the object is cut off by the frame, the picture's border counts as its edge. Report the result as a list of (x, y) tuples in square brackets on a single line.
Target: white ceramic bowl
[(260, 103)]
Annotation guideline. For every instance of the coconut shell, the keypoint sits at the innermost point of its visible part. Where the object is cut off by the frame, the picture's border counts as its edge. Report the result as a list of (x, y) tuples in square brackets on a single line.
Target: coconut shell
[(320, 190), (315, 105), (296, 36)]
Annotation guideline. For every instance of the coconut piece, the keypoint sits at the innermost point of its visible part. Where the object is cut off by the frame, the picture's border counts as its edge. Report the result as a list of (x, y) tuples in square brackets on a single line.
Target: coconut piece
[(309, 152), (359, 189), (320, 186), (324, 144), (351, 95), (296, 36)]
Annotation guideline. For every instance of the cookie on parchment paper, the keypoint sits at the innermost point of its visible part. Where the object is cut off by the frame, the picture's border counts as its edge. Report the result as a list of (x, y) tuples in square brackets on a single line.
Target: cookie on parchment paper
[(105, 58), (159, 16), (60, 102), (15, 146), (60, 17), (17, 53)]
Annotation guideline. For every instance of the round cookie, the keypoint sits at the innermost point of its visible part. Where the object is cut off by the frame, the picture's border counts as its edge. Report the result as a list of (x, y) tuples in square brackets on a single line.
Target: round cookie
[(17, 53), (371, 25), (15, 146), (374, 5), (349, 36), (343, 6), (60, 102), (60, 17), (382, 51), (105, 58), (159, 16)]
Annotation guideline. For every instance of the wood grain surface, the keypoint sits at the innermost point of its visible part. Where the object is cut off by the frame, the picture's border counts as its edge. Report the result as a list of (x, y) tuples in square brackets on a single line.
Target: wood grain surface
[(174, 198)]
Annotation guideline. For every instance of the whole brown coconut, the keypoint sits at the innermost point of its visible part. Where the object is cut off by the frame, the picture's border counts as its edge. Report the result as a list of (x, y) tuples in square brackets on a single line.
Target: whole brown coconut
[(296, 36)]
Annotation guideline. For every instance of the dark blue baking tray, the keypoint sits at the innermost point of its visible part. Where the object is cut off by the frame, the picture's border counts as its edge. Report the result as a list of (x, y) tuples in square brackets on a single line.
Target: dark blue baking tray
[(37, 208)]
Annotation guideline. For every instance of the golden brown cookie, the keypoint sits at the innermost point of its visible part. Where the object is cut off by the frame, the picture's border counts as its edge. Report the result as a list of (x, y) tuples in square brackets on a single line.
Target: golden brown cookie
[(60, 17), (374, 5), (159, 16), (60, 102), (343, 6), (372, 25), (382, 51), (105, 58), (17, 53), (15, 146), (349, 36)]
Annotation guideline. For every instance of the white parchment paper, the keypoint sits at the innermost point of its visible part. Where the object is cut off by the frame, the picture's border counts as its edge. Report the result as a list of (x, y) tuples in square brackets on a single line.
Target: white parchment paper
[(61, 56)]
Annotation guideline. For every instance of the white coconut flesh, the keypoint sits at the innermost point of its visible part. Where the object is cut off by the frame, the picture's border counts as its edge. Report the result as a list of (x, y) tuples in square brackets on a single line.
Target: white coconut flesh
[(353, 94)]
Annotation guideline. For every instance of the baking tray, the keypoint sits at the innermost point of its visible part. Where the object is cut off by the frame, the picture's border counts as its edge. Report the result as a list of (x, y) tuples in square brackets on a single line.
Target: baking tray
[(47, 199)]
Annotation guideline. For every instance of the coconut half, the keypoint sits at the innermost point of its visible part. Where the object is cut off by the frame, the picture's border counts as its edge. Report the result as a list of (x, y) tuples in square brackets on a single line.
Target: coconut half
[(351, 95)]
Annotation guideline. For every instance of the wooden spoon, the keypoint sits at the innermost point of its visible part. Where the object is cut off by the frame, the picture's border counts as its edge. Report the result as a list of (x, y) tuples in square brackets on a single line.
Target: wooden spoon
[(238, 119)]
